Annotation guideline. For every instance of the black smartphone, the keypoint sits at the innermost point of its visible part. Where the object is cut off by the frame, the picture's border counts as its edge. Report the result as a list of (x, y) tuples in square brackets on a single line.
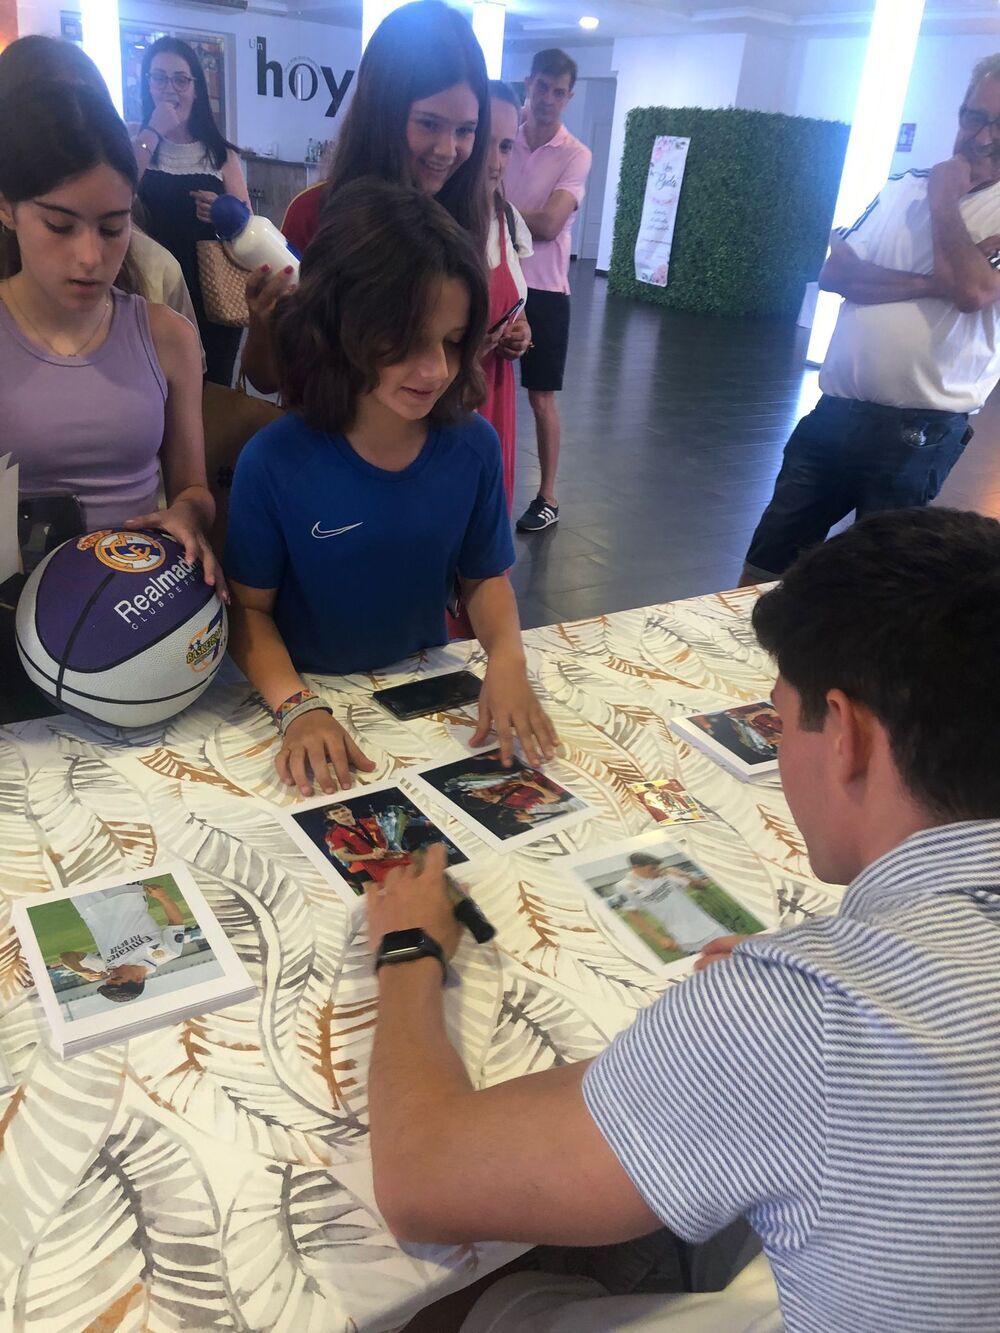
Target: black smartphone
[(505, 319), (45, 522), (435, 695)]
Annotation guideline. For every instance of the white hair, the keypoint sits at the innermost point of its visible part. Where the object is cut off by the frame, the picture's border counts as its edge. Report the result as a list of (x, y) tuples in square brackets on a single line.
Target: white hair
[(987, 68)]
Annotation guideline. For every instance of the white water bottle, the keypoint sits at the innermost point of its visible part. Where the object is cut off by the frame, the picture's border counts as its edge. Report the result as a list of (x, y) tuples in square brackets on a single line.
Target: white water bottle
[(251, 240)]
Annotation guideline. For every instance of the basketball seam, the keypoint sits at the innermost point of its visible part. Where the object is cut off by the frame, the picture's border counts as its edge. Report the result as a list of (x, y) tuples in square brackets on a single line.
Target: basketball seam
[(74, 632), (112, 699), (109, 666)]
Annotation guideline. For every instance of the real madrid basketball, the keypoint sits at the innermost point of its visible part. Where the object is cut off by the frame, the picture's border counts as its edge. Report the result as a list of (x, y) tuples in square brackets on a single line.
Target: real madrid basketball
[(118, 626)]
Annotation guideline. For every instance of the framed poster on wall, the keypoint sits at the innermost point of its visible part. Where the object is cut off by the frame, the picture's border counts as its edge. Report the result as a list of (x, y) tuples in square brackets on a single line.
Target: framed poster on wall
[(210, 48)]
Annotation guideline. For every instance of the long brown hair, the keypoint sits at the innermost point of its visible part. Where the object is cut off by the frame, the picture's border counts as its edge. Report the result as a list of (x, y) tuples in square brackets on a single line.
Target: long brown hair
[(366, 282), (415, 52), (35, 60)]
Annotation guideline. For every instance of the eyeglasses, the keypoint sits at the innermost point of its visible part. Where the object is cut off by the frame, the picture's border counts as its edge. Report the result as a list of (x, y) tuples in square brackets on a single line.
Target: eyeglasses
[(179, 82), (976, 121)]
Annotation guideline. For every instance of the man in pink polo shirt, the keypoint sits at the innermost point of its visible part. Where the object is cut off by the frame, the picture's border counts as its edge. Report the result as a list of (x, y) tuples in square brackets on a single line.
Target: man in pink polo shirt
[(546, 180)]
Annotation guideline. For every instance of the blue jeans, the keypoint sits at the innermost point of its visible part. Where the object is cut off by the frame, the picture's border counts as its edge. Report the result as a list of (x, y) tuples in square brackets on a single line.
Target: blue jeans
[(844, 456)]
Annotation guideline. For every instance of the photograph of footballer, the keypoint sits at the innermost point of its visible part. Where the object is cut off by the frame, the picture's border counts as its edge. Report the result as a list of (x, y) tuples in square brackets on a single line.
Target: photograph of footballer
[(667, 800), (361, 836), (656, 896), (743, 739), (108, 943), (123, 955), (503, 806)]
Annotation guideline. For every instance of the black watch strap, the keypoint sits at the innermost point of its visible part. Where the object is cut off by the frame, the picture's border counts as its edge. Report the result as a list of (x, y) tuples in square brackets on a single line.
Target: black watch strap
[(405, 946)]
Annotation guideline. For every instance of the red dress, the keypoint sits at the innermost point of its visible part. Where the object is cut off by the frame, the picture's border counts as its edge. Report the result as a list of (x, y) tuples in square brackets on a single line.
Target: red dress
[(500, 405)]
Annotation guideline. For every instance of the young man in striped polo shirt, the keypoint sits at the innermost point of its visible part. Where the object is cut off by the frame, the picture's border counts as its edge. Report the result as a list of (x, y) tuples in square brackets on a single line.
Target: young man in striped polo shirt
[(836, 1083)]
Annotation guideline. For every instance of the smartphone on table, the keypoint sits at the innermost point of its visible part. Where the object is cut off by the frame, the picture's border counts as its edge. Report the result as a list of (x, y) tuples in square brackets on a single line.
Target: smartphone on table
[(436, 694)]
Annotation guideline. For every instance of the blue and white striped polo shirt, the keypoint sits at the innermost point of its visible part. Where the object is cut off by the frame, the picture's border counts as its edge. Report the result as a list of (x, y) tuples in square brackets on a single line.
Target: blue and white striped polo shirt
[(839, 1085)]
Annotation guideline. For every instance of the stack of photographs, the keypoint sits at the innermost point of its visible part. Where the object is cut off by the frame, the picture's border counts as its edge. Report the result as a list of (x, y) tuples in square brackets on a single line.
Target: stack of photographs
[(120, 957), (743, 739)]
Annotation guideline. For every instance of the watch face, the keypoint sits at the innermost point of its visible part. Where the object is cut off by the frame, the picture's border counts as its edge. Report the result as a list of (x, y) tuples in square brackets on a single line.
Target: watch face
[(399, 940)]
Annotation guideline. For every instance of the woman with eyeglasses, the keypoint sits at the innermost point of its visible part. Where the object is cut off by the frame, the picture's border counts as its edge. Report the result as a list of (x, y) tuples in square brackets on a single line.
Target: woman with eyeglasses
[(184, 162)]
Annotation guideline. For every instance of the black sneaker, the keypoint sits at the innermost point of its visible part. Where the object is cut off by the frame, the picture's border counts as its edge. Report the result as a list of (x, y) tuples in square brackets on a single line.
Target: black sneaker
[(538, 516)]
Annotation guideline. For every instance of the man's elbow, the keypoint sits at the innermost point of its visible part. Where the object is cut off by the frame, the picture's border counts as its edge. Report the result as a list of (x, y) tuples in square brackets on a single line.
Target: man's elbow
[(828, 280), (970, 300), (545, 230), (412, 1213)]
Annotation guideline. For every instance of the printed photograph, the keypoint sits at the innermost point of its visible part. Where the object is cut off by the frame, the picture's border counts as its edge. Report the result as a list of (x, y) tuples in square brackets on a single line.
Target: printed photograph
[(667, 800), (362, 837), (664, 899), (504, 805), (108, 948), (751, 732)]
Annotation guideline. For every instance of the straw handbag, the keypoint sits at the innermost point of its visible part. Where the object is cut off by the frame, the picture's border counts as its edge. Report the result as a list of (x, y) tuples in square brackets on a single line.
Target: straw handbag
[(223, 286)]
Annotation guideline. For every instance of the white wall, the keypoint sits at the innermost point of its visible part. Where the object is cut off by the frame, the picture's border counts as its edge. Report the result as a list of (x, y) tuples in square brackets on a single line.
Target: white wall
[(666, 71), (256, 121), (941, 69), (769, 74), (828, 77), (593, 59)]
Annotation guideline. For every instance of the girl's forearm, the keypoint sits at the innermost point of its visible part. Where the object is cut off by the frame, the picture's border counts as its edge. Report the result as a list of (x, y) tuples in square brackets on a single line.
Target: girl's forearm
[(259, 651), (492, 609)]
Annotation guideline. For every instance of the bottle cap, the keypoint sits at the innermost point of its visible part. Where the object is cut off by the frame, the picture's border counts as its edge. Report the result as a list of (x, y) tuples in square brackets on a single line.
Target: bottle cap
[(229, 216)]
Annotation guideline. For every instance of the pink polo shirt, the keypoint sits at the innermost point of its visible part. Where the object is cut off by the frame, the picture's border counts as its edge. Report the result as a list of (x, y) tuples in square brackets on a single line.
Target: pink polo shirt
[(561, 164)]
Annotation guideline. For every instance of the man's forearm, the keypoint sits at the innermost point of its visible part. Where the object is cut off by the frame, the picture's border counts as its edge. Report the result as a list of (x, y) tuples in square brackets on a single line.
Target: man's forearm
[(539, 224), (964, 271), (415, 1071), (871, 284)]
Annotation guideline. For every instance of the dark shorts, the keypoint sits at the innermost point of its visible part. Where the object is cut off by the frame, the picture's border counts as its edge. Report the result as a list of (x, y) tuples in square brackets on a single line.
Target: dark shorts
[(850, 456), (543, 364)]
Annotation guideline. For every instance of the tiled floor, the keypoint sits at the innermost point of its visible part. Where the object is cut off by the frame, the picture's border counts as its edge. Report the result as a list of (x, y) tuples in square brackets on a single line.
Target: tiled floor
[(673, 427)]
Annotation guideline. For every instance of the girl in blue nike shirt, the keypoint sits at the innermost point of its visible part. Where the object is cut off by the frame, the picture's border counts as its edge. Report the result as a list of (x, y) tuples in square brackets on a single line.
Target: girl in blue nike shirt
[(352, 517)]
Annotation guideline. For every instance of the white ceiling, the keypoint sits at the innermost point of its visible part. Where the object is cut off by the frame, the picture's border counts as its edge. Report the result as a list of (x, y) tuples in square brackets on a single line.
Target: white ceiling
[(529, 21)]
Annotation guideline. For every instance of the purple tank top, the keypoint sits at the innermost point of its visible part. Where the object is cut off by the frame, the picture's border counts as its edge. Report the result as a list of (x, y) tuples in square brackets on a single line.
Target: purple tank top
[(90, 425)]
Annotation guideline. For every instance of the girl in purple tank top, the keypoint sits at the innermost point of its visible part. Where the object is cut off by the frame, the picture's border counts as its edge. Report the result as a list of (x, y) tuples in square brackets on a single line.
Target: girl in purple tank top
[(98, 390)]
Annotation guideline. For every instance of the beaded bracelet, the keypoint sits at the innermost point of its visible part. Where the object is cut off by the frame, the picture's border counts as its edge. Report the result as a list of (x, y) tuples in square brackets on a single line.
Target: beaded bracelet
[(304, 701)]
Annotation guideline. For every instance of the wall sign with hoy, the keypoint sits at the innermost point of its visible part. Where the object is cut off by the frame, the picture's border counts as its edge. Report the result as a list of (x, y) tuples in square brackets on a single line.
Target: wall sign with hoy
[(303, 78), (659, 209)]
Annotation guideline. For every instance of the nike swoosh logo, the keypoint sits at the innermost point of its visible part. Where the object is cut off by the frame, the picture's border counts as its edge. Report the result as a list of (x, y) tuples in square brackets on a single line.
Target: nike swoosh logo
[(317, 531)]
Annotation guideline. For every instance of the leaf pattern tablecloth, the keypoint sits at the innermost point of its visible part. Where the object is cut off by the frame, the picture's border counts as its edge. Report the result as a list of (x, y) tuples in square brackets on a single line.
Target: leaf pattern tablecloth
[(215, 1174)]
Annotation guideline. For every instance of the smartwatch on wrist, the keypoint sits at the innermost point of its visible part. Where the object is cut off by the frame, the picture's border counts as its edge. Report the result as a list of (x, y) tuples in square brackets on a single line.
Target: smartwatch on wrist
[(405, 946)]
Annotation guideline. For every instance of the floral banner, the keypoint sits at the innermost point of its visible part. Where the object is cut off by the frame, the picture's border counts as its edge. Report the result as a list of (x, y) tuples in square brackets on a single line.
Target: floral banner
[(659, 209)]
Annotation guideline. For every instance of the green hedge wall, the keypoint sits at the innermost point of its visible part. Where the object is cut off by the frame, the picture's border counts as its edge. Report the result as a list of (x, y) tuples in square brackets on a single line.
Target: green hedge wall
[(754, 215)]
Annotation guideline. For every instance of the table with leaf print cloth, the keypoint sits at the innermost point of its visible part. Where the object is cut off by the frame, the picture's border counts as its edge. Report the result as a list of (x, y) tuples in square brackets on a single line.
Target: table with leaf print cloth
[(216, 1174)]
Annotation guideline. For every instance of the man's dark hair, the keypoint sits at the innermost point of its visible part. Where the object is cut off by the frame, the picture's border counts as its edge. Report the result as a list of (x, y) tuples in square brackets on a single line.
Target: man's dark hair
[(555, 63), (364, 293), (121, 992), (643, 859), (902, 613)]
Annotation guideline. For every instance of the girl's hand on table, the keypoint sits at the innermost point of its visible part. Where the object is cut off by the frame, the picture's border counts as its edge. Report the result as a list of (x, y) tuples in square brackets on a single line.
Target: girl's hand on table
[(312, 745), (510, 707)]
